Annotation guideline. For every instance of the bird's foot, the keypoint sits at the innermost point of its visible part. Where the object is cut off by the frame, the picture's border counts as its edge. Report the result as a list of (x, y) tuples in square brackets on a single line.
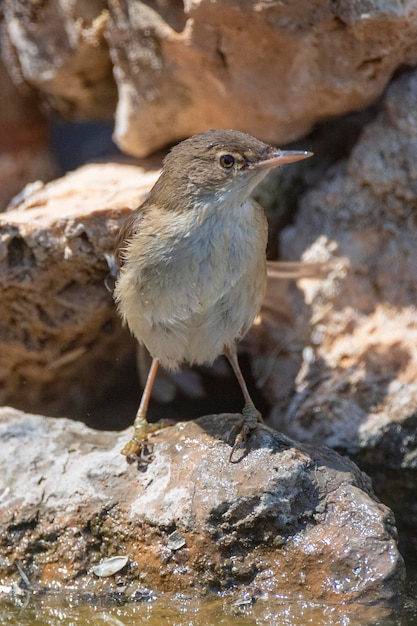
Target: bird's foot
[(138, 447), (251, 418)]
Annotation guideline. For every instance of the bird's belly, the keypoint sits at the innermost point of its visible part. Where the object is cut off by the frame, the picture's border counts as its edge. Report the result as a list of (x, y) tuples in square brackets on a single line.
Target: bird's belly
[(206, 333), (204, 297)]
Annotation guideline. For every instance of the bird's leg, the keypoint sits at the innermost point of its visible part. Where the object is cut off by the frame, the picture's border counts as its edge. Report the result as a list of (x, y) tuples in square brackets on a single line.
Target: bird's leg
[(141, 427), (251, 416)]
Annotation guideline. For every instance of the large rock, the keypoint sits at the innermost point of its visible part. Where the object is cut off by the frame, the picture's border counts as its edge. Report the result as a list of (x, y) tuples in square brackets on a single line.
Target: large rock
[(356, 387), (59, 325), (58, 48), (363, 356), (281, 519), (271, 68)]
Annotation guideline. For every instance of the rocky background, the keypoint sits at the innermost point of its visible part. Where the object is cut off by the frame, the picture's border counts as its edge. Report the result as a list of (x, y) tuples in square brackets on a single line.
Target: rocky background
[(333, 359)]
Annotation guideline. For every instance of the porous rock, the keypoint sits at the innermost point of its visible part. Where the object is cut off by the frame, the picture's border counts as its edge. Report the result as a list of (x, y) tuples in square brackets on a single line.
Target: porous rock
[(356, 388), (270, 68), (281, 518), (59, 326), (58, 48)]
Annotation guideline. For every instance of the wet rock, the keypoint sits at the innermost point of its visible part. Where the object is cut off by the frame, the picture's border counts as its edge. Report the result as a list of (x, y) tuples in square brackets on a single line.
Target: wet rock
[(59, 325), (283, 518)]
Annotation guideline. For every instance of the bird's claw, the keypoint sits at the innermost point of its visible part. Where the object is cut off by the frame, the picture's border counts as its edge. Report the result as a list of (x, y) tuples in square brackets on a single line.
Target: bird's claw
[(251, 418), (138, 450), (138, 447)]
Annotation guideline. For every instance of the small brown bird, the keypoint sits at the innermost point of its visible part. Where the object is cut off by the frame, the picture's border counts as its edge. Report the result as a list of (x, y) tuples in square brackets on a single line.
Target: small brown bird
[(192, 259)]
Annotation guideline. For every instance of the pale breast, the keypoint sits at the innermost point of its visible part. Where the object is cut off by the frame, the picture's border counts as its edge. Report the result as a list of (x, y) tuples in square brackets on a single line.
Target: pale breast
[(196, 286)]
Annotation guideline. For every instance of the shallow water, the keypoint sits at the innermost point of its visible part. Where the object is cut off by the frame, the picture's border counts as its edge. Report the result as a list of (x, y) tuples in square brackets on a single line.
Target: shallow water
[(180, 610)]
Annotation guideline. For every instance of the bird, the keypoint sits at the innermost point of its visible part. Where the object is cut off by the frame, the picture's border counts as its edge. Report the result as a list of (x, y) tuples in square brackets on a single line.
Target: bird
[(192, 261)]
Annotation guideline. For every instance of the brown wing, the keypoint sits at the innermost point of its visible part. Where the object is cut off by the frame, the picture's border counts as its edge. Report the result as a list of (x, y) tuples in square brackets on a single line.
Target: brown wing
[(128, 230), (300, 269)]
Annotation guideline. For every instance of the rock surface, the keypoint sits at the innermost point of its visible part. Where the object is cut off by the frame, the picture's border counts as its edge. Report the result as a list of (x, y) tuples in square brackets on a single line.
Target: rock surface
[(358, 374), (59, 325), (58, 48), (303, 62), (271, 68), (355, 367), (282, 518)]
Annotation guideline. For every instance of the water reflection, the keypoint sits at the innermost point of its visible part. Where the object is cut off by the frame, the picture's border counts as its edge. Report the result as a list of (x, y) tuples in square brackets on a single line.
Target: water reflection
[(180, 610)]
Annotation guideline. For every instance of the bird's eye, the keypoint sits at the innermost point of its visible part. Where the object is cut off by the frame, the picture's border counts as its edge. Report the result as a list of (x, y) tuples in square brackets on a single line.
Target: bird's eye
[(227, 161)]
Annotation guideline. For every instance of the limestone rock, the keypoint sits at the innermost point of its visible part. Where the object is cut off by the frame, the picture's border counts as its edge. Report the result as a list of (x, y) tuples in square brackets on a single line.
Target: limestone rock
[(270, 68), (282, 518), (58, 48), (356, 387), (59, 325), (363, 320)]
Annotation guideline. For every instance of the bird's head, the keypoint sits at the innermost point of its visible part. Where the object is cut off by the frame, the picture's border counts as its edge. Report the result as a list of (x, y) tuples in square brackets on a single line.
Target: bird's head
[(219, 162)]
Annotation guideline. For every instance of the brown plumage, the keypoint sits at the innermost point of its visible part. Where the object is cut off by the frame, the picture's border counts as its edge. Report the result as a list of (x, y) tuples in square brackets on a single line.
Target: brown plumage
[(192, 257)]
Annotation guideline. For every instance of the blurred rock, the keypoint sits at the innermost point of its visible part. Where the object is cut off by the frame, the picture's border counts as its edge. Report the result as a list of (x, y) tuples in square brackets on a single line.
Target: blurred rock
[(273, 69), (24, 147), (282, 519), (59, 327), (58, 48)]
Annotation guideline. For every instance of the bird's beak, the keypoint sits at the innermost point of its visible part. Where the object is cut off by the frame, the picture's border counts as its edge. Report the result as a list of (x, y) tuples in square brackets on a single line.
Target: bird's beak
[(280, 158)]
